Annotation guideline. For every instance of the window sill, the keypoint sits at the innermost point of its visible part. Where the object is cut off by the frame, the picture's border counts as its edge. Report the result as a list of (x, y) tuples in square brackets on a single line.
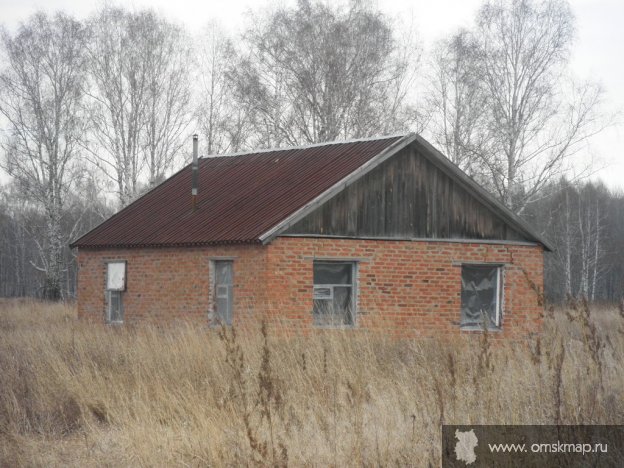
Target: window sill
[(479, 328), (335, 327)]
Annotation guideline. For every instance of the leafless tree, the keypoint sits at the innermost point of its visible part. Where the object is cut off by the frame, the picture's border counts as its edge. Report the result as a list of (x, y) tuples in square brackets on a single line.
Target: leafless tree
[(167, 54), (118, 90), (567, 244), (15, 248), (40, 96), (508, 110), (582, 220), (223, 122), (315, 73), (457, 100), (537, 123), (23, 234), (139, 96), (591, 227)]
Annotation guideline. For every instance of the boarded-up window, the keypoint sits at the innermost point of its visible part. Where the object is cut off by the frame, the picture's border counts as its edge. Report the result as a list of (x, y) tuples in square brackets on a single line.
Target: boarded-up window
[(334, 293), (223, 291), (481, 296), (116, 276), (115, 286)]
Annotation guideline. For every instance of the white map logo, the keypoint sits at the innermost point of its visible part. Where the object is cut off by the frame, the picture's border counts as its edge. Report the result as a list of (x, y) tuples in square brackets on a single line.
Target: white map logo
[(465, 446)]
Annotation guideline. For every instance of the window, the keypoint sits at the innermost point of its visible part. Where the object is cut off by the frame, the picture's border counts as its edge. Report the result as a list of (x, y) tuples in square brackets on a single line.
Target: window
[(481, 296), (222, 291), (334, 293), (115, 286), (115, 307)]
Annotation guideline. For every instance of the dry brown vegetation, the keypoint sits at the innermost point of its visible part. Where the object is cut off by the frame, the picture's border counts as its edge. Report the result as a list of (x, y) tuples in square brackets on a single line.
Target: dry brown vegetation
[(75, 394)]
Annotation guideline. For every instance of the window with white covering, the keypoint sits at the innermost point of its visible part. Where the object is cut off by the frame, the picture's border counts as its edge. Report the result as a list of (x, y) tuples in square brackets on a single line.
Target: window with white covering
[(481, 296)]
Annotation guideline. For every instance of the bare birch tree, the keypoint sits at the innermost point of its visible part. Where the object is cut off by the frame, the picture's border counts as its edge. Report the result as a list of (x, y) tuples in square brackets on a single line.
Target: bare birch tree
[(167, 53), (591, 232), (118, 91), (578, 217), (316, 73), (16, 251), (536, 123), (567, 244), (139, 96), (223, 122), (40, 96), (457, 99)]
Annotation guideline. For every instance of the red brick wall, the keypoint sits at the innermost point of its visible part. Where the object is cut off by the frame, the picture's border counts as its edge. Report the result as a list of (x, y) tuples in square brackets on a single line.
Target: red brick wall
[(166, 285), (403, 288)]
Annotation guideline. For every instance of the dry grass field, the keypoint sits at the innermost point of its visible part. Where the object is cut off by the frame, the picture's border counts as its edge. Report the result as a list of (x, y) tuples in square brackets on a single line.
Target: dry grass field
[(73, 394)]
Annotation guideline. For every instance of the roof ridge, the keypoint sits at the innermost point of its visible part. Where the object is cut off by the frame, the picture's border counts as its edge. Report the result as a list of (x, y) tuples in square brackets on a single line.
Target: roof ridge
[(310, 145)]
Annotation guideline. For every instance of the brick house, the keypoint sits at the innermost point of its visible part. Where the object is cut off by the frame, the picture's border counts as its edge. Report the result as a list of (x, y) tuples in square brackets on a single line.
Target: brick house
[(382, 234)]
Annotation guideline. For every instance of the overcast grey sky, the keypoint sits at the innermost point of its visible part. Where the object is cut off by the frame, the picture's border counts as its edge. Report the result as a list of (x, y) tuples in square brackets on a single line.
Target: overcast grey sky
[(597, 52)]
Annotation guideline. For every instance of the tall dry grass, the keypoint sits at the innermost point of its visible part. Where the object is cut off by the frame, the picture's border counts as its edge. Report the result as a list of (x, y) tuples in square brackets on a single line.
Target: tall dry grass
[(74, 394)]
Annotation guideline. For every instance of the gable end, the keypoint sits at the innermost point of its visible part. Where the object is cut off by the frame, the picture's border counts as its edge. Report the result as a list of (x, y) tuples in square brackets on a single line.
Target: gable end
[(413, 195)]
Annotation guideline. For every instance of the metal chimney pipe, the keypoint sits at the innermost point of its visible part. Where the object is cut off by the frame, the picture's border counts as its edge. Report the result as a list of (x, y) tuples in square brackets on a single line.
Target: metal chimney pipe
[(195, 172)]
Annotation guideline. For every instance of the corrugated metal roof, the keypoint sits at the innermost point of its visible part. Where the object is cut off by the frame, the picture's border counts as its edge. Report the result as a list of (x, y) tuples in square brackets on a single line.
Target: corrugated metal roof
[(240, 197)]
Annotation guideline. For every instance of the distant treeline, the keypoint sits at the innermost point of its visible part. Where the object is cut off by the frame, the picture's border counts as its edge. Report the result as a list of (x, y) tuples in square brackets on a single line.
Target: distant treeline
[(585, 221)]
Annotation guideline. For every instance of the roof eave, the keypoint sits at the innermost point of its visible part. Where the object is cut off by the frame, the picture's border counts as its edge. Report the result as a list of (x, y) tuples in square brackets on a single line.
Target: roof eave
[(165, 245)]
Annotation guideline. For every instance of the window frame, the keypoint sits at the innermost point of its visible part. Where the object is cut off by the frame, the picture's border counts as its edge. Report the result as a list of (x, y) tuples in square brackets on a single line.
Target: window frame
[(214, 317), (109, 304), (500, 298), (354, 292), (117, 291)]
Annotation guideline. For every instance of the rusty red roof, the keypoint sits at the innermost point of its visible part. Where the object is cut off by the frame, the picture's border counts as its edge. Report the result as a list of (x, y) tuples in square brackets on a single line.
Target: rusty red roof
[(241, 197)]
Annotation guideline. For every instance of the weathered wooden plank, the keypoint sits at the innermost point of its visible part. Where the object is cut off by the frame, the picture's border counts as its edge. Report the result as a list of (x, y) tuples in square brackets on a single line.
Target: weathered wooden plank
[(406, 196)]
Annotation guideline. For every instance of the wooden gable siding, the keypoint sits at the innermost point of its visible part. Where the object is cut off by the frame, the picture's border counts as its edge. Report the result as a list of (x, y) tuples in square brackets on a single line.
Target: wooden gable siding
[(407, 196)]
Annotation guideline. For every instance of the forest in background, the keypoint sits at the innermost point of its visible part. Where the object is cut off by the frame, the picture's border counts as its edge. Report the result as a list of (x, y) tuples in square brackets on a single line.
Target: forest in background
[(94, 113)]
